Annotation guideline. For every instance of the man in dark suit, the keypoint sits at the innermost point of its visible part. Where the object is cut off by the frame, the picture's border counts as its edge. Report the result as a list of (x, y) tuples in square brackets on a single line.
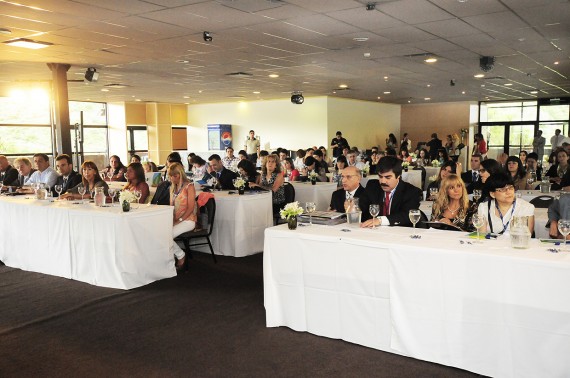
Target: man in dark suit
[(434, 145), (25, 170), (471, 178), (224, 176), (68, 177), (8, 174), (351, 188), (395, 197)]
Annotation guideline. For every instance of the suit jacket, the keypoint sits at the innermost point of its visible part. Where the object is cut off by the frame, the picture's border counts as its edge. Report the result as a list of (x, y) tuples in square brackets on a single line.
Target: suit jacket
[(339, 196), (19, 182), (9, 175), (406, 197), (467, 178), (73, 180), (226, 179)]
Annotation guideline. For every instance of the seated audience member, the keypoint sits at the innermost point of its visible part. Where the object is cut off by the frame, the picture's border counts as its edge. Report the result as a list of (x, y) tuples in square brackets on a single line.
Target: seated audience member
[(69, 178), (445, 170), (162, 194), (558, 209), (136, 181), (183, 198), (272, 179), (339, 165), (452, 205), (90, 180), (559, 170), (391, 152), (230, 161), (351, 188), (321, 164), (261, 156), (405, 156), (24, 167), (516, 170), (290, 172), (299, 160), (115, 171), (523, 155), (352, 162), (395, 196), (248, 172), (43, 173), (503, 205), (442, 156), (224, 176), (242, 154), (502, 160), (311, 166), (533, 167), (199, 167), (283, 154), (149, 166), (423, 158), (135, 158), (471, 178), (489, 167), (326, 158), (8, 174)]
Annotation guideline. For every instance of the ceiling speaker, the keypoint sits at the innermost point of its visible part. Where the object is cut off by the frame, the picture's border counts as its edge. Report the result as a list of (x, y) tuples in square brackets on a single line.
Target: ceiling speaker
[(486, 63), (91, 75), (297, 99)]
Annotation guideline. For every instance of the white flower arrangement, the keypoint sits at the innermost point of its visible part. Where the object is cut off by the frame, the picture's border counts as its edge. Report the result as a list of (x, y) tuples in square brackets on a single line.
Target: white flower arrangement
[(432, 178), (239, 183), (405, 164), (414, 157), (291, 210), (313, 175), (435, 163), (127, 195), (366, 168)]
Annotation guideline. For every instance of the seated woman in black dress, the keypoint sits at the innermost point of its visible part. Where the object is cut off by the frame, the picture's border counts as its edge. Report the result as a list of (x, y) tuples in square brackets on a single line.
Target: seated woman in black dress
[(247, 171), (452, 205)]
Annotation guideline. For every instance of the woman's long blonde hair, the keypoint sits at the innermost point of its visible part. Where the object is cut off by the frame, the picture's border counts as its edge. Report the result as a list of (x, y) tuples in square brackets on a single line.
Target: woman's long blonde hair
[(177, 169), (442, 200)]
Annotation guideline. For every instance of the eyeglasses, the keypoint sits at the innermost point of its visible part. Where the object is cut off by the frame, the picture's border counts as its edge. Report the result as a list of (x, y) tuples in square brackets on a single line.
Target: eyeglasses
[(505, 189), (482, 170)]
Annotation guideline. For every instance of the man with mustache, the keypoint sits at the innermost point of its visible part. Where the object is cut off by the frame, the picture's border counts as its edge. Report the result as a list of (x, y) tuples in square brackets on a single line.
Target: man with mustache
[(396, 197)]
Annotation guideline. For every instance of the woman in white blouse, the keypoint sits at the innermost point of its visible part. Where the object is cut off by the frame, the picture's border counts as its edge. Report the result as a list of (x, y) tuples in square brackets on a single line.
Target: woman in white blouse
[(503, 205)]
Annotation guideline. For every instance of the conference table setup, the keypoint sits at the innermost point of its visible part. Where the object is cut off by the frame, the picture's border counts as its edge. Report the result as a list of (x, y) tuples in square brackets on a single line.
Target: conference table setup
[(442, 297), (102, 246)]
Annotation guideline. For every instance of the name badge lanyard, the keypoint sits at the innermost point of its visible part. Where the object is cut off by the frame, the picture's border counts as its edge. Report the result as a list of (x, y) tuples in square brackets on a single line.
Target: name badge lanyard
[(505, 226)]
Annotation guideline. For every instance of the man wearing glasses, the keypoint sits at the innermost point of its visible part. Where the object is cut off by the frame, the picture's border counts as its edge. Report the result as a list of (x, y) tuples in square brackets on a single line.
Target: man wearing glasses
[(351, 188)]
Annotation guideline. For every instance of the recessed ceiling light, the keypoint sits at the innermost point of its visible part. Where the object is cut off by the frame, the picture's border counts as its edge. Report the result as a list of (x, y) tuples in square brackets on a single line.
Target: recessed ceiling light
[(200, 91), (409, 101), (387, 92), (343, 86), (305, 82), (533, 92), (385, 77), (273, 76), (427, 98), (379, 97), (104, 90), (256, 92), (138, 99), (430, 59), (367, 55), (429, 85), (557, 62), (463, 92), (28, 43), (478, 76), (334, 92), (508, 84), (360, 39), (182, 61), (186, 97), (482, 85)]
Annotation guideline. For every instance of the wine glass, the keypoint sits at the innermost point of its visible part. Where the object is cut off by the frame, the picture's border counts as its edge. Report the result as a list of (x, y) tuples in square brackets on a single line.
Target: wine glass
[(374, 211), (564, 229), (478, 221), (112, 192), (110, 175), (433, 192), (415, 216), (81, 190), (477, 195), (1, 184), (214, 182), (58, 189), (138, 195), (310, 207)]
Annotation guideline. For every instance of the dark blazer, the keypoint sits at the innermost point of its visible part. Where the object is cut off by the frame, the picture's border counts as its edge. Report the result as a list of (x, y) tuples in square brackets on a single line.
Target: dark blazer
[(467, 178), (9, 175), (434, 145), (339, 196), (162, 194), (73, 180), (19, 182), (226, 179), (405, 198)]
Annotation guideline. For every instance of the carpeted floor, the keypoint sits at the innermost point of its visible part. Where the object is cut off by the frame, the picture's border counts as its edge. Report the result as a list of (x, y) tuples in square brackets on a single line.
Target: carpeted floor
[(207, 322)]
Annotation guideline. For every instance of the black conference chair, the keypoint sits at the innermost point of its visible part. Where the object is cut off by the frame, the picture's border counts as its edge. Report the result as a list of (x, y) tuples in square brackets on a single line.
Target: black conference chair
[(207, 213), (542, 202)]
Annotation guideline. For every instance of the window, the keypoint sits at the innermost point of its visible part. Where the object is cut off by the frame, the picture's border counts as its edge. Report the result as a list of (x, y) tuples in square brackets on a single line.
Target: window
[(508, 111), (554, 112), (25, 140), (137, 141), (94, 113)]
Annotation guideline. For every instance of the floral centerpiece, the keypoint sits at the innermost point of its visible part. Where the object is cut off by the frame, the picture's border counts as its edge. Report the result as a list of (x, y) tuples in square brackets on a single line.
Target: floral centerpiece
[(239, 184), (414, 157), (125, 199), (365, 169), (290, 212), (405, 166), (432, 178), (435, 163), (313, 177)]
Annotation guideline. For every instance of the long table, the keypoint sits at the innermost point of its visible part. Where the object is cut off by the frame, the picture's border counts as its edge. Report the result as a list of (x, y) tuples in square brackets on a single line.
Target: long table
[(481, 307), (100, 246)]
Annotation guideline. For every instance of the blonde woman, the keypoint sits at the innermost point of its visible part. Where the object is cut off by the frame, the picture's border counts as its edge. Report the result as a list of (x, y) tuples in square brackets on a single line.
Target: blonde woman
[(183, 198), (272, 179), (452, 205)]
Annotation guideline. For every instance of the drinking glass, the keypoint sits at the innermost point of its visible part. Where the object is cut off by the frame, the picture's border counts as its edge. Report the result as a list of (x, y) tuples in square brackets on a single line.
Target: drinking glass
[(1, 185), (478, 221), (112, 193), (564, 228), (415, 216), (214, 183), (374, 211), (433, 192), (81, 190), (138, 195), (310, 207), (58, 189), (109, 175), (477, 195)]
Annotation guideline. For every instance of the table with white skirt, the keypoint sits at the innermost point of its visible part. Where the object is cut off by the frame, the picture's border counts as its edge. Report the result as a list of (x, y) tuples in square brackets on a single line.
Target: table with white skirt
[(320, 193), (444, 298), (102, 246)]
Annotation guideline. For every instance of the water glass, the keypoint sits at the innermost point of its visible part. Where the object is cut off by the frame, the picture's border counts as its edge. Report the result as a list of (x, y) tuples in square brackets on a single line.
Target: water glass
[(374, 211), (477, 195), (81, 190), (112, 192), (478, 221), (564, 229), (310, 207), (433, 192), (415, 216), (58, 189)]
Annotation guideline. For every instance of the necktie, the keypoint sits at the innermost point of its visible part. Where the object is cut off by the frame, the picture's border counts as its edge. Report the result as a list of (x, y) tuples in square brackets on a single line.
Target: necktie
[(348, 195), (386, 210), (64, 182), (218, 174), (474, 176)]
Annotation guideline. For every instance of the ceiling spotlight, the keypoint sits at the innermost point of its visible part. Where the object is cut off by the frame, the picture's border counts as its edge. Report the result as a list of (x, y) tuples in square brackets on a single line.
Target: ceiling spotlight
[(533, 92), (343, 86), (556, 62), (91, 75), (478, 76), (452, 82), (273, 76), (28, 43), (486, 63), (370, 6), (297, 98), (207, 36), (430, 59)]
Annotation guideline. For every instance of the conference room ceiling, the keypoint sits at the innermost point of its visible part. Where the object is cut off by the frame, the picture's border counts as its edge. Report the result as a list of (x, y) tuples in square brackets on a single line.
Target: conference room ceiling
[(155, 48)]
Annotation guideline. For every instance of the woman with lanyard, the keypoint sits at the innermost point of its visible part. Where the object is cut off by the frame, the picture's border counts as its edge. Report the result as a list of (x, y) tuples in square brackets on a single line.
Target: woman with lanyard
[(503, 205), (183, 198)]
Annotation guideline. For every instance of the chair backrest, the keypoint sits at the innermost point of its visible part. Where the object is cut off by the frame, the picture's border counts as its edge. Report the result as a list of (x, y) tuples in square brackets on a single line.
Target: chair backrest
[(542, 202), (289, 193), (210, 209)]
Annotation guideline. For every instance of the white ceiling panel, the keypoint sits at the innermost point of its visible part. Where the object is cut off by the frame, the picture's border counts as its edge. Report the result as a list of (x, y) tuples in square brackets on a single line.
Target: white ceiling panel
[(405, 34), (470, 8), (448, 28), (369, 20), (325, 6), (414, 11), (284, 12)]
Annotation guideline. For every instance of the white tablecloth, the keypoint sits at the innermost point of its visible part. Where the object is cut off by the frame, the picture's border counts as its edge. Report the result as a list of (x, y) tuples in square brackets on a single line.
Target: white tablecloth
[(240, 223), (481, 307), (100, 246), (320, 193), (430, 171)]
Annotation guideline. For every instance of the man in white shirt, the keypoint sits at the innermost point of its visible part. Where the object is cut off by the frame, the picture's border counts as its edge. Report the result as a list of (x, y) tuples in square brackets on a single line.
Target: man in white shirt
[(557, 139), (230, 161), (351, 158), (44, 172)]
